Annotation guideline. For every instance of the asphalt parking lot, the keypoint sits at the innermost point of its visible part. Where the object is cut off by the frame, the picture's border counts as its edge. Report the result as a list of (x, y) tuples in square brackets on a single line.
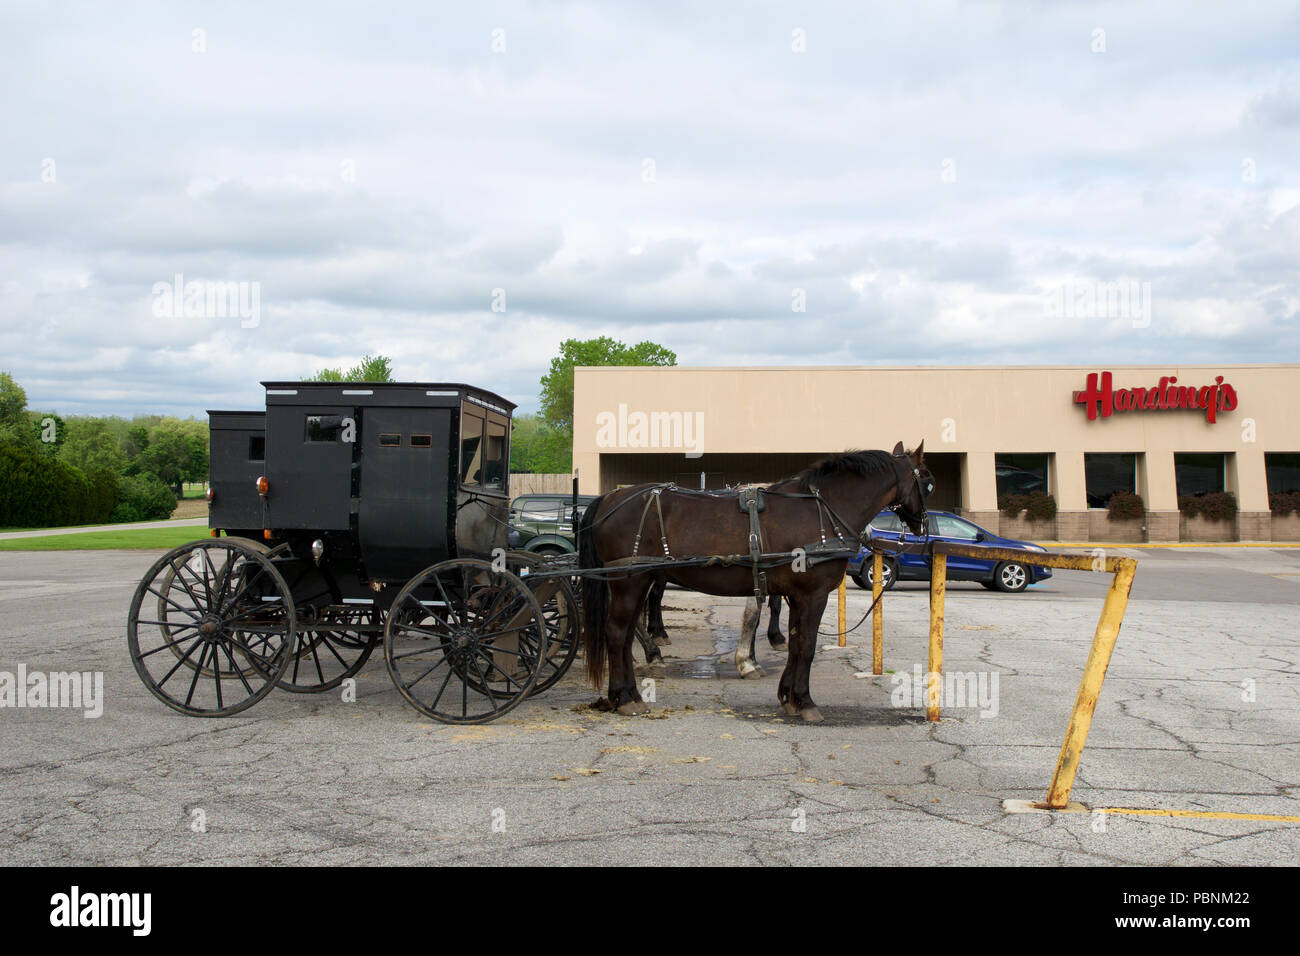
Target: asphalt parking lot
[(1199, 713)]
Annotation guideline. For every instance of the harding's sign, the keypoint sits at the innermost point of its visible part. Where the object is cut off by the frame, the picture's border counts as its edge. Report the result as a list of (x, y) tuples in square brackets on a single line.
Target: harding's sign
[(1104, 400)]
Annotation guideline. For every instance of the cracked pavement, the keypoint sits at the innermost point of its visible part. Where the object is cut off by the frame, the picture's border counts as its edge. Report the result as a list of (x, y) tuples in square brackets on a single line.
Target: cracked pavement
[(714, 775)]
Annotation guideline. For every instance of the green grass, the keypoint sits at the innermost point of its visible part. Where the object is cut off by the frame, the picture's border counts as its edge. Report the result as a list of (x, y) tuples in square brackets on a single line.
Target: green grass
[(132, 539)]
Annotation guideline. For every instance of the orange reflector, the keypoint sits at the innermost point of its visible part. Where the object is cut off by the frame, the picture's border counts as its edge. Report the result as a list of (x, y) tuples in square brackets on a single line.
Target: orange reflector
[(263, 486), (214, 533), (266, 533), (208, 494)]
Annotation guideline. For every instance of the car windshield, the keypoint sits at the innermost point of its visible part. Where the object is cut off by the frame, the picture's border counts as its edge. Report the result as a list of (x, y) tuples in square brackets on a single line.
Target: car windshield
[(539, 509), (949, 527), (887, 522)]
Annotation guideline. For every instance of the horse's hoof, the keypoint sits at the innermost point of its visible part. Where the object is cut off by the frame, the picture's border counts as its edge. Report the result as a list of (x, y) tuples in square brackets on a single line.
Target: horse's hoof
[(777, 645), (653, 669), (811, 715), (750, 669), (661, 640), (788, 708), (633, 708)]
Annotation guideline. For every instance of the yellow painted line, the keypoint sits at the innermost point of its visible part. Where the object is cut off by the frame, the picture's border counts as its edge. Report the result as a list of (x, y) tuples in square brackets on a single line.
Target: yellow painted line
[(1203, 814)]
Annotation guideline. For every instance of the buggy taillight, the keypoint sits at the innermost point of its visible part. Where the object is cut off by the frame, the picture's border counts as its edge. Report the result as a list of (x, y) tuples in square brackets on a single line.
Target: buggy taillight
[(263, 486)]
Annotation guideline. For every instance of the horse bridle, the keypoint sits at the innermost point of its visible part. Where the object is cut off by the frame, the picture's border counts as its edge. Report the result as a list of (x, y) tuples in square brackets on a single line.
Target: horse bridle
[(923, 491)]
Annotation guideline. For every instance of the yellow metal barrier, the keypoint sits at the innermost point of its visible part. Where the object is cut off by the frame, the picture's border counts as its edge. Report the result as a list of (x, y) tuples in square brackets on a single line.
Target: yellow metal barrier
[(1094, 672), (843, 610)]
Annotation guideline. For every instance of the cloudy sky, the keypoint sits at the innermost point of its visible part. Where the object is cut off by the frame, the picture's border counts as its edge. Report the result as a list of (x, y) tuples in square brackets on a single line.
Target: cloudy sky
[(931, 181)]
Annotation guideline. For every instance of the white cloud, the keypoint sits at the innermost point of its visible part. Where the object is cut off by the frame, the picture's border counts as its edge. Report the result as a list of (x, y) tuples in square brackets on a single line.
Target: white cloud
[(380, 174)]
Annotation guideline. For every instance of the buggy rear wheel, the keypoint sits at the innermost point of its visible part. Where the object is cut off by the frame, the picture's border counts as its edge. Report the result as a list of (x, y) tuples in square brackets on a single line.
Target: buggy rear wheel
[(465, 643), (227, 630)]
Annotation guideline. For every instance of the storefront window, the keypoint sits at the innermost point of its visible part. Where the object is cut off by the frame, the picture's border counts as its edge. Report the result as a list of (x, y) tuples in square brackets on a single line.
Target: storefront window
[(1019, 474), (1106, 474), (1283, 468), (1199, 474)]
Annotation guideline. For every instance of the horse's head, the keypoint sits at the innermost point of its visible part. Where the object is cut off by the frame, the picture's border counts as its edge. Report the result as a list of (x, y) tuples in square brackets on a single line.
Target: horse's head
[(915, 484)]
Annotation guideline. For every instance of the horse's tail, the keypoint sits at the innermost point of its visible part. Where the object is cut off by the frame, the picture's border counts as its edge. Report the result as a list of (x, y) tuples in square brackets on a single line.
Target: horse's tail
[(595, 595)]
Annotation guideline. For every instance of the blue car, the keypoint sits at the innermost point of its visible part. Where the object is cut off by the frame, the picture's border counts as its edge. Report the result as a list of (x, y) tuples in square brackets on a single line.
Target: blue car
[(994, 575)]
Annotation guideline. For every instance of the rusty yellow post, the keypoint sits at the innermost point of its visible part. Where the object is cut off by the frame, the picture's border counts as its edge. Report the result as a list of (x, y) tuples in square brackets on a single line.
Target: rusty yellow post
[(877, 620), (843, 599), (934, 673), (1076, 733)]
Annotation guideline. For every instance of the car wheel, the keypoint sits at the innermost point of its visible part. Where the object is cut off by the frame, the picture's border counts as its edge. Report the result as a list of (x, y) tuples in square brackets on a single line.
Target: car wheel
[(889, 571), (1011, 576)]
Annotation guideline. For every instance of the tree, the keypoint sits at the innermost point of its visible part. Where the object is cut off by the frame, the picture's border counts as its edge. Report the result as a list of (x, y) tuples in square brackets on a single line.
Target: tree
[(15, 422), (13, 401), (177, 452), (371, 368), (557, 384), (89, 444), (536, 448)]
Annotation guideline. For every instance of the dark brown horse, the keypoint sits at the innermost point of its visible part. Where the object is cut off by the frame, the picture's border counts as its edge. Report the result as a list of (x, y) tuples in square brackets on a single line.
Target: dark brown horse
[(832, 500)]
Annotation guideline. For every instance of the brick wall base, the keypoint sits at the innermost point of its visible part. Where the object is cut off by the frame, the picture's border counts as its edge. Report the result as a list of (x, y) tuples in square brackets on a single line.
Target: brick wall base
[(1254, 526), (1162, 526), (1101, 528), (1201, 529), (1285, 528), (1072, 526)]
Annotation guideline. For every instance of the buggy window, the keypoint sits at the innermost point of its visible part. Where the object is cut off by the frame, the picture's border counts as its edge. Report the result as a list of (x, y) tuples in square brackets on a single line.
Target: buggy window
[(257, 448), (471, 447), (494, 455), (421, 441), (390, 440), (323, 428)]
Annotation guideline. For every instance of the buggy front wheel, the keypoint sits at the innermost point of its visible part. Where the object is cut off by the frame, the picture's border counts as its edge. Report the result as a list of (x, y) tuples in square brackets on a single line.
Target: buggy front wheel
[(464, 643)]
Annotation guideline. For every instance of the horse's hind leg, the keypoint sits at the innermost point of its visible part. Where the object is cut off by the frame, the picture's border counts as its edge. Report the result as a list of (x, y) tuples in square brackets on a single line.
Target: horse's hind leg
[(625, 601), (802, 649), (745, 662), (774, 635), (655, 614), (785, 687)]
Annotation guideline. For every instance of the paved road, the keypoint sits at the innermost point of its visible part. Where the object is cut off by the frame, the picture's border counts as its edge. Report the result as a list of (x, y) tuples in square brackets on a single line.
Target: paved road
[(715, 776)]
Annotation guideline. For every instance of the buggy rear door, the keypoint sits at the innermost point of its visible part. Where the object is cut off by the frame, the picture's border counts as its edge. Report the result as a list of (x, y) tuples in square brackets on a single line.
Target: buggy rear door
[(403, 515)]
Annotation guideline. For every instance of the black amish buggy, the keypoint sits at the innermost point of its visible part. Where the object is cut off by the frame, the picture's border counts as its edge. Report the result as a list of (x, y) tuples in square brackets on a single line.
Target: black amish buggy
[(344, 516)]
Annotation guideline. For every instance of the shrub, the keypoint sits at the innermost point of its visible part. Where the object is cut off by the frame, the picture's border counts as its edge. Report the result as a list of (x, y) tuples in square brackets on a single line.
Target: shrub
[(1284, 503), (1126, 506), (1212, 506), (38, 490), (1012, 505), (1037, 506), (142, 498)]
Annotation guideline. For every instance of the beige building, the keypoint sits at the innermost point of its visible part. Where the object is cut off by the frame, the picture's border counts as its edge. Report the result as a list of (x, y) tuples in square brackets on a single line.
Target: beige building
[(1080, 433)]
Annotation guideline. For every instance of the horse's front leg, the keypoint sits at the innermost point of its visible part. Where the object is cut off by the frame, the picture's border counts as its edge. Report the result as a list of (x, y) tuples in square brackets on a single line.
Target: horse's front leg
[(745, 662)]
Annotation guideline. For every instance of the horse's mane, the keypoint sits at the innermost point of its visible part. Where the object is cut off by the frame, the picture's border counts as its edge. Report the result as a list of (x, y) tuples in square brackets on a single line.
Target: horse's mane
[(859, 463)]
